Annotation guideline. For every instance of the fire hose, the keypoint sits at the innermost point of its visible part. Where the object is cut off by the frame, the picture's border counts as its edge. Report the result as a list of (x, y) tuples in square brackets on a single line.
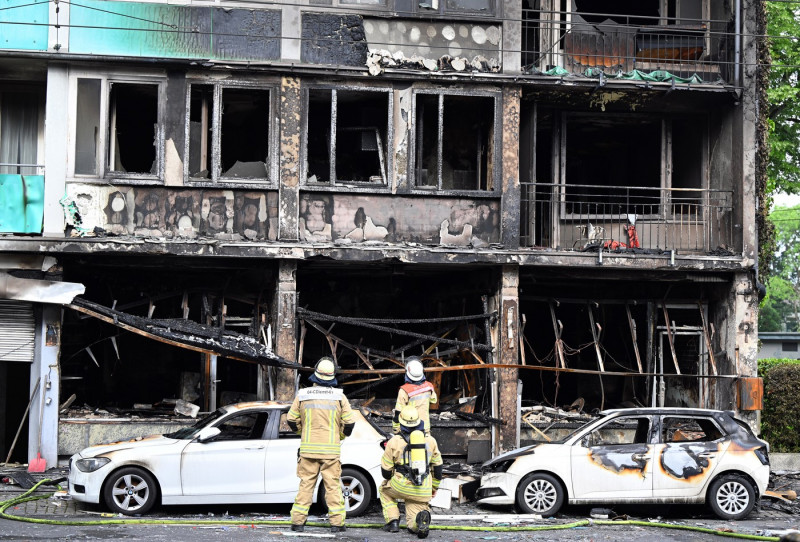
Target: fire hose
[(30, 496)]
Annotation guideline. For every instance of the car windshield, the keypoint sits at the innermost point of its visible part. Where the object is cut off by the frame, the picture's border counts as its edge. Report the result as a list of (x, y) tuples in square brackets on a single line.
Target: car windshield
[(190, 431)]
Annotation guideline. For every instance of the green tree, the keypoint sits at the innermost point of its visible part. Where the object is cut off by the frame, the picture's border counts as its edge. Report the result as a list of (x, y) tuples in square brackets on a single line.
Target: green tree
[(780, 306), (783, 27)]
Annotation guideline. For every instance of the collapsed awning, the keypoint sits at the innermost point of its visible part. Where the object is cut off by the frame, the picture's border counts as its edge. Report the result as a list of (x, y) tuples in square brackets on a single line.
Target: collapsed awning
[(187, 334), (38, 291)]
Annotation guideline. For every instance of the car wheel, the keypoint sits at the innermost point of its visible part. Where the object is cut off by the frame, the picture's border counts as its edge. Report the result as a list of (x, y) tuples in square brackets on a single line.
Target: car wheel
[(130, 491), (731, 496), (540, 493), (356, 490)]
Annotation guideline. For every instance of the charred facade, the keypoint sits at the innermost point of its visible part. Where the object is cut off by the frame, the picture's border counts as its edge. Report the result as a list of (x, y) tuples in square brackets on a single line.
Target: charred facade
[(549, 203)]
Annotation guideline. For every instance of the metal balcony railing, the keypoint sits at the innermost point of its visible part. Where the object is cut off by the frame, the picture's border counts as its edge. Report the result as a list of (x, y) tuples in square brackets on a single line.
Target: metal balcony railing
[(677, 50), (636, 219)]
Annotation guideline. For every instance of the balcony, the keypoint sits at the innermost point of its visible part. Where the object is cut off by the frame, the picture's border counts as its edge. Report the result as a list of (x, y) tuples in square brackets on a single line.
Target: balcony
[(626, 219), (690, 49)]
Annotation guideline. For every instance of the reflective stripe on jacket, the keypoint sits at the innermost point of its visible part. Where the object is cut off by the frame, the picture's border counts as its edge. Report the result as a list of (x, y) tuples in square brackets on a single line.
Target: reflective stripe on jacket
[(420, 396), (320, 413), (393, 456)]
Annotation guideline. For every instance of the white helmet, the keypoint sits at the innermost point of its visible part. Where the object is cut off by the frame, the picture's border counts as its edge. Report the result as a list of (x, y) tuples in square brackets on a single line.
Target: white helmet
[(325, 369), (414, 370)]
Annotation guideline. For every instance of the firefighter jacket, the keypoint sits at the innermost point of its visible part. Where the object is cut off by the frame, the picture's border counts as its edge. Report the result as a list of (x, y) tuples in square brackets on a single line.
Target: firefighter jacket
[(394, 460), (323, 417), (418, 395)]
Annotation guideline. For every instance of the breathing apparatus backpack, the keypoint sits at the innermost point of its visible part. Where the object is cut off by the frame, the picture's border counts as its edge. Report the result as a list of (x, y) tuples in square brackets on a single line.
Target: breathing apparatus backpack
[(415, 456)]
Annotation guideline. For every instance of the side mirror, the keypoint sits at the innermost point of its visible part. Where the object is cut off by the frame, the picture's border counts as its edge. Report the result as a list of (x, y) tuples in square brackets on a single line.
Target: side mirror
[(207, 433), (586, 441)]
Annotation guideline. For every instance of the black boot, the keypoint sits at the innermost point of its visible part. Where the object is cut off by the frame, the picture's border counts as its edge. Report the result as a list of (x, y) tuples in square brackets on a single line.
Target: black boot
[(299, 528), (423, 523), (338, 528), (393, 526)]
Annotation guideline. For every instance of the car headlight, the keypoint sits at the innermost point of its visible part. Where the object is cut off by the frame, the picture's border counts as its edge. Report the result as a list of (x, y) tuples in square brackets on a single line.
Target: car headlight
[(91, 464)]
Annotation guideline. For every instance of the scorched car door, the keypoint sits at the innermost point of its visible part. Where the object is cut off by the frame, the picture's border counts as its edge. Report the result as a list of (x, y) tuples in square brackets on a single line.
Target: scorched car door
[(615, 460), (687, 456), (233, 463)]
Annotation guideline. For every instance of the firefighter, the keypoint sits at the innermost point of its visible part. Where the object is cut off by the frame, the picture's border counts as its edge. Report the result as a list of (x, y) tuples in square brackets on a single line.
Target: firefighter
[(412, 470), (322, 416), (417, 392)]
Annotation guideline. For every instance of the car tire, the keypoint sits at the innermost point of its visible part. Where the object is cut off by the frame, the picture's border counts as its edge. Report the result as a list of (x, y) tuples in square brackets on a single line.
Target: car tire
[(731, 496), (356, 490), (130, 491), (540, 493)]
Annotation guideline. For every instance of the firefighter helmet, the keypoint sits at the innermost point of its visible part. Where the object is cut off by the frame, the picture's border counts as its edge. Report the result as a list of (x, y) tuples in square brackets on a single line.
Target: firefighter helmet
[(325, 369), (409, 418), (414, 369)]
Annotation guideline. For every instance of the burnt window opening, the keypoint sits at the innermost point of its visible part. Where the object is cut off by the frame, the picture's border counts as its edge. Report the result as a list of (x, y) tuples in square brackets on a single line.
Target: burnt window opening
[(789, 347), (229, 133), (133, 128), (613, 166), (348, 136), (119, 371), (455, 142)]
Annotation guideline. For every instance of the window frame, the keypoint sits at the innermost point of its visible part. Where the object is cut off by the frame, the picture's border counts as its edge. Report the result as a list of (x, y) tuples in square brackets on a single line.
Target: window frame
[(273, 141), (666, 163), (412, 144), (389, 157), (102, 157), (693, 417)]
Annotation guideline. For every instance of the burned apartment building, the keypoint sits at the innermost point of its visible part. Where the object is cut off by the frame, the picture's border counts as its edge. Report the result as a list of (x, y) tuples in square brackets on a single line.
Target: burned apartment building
[(552, 202)]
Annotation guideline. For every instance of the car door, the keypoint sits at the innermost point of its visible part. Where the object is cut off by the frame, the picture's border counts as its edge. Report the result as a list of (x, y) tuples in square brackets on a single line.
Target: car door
[(687, 454), (615, 460), (233, 462), (282, 448)]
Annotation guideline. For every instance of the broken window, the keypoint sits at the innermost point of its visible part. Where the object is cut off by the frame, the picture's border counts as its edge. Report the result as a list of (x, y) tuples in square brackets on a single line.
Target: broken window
[(455, 142), (20, 128), (627, 430), (116, 128), (229, 132), (133, 128), (347, 136), (676, 429), (587, 37)]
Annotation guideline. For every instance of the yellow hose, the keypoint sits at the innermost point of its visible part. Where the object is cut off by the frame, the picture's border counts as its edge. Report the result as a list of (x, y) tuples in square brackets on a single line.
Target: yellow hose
[(26, 497)]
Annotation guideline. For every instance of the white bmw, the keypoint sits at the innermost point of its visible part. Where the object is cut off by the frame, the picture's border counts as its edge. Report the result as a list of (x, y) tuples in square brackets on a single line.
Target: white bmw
[(241, 453), (643, 455)]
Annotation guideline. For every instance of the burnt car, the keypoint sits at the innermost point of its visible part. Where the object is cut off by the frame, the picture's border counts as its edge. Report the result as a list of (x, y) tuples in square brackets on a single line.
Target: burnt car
[(642, 455)]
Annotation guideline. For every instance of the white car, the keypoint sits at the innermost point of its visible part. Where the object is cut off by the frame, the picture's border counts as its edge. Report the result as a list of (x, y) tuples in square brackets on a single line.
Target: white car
[(643, 455), (243, 453)]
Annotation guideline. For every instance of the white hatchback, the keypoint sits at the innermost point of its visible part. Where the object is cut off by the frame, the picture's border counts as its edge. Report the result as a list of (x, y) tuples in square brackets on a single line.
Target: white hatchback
[(241, 453), (643, 455)]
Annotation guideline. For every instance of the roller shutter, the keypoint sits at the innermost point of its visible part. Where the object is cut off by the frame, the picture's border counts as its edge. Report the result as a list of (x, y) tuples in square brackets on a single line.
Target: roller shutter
[(17, 328)]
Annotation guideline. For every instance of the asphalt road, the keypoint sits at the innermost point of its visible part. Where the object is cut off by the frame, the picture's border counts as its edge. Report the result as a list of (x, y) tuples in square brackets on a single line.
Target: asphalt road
[(244, 524)]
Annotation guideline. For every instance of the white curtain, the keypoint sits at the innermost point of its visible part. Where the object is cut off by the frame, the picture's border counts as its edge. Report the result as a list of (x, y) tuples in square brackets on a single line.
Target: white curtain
[(19, 126)]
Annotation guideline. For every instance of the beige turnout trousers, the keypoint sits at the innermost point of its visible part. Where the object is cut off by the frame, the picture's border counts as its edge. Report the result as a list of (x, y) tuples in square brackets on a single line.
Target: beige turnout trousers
[(331, 471)]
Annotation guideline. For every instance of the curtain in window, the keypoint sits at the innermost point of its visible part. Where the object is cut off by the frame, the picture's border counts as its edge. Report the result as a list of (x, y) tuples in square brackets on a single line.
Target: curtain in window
[(19, 126)]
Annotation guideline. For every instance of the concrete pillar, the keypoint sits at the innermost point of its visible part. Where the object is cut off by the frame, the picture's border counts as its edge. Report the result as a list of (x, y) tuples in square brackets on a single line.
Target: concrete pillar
[(510, 202), (44, 410), (290, 161), (512, 36), (286, 327), (508, 354), (56, 138)]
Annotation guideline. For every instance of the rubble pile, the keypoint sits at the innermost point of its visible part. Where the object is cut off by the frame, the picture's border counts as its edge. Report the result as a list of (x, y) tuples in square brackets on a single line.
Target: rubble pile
[(782, 493)]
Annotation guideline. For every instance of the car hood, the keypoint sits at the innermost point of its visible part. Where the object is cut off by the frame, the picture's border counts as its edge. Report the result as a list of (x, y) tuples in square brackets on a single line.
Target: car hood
[(139, 442), (513, 454)]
